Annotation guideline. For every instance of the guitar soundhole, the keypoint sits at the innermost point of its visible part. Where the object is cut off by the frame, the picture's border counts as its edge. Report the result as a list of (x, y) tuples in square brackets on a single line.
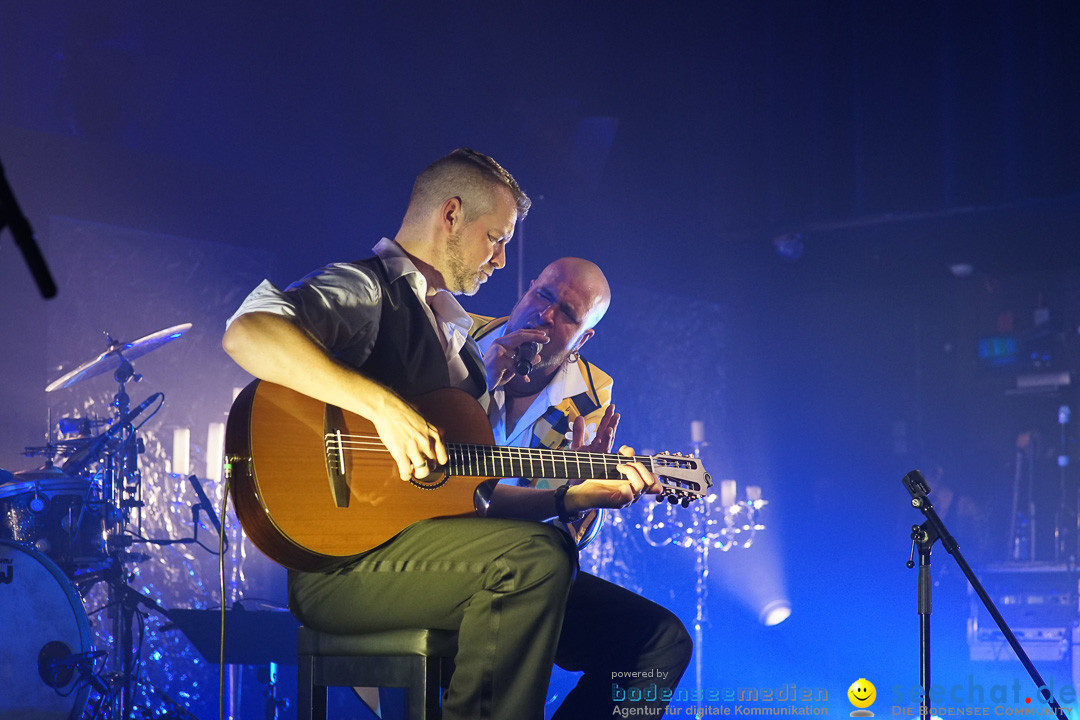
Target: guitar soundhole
[(432, 482)]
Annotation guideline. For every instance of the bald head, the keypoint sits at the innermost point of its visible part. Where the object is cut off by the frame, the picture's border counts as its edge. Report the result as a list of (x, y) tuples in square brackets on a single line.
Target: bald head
[(587, 280), (566, 301)]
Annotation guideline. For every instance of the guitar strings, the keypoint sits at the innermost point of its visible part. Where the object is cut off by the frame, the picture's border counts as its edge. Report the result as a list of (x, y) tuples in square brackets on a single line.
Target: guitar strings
[(473, 455), (373, 443), (466, 456)]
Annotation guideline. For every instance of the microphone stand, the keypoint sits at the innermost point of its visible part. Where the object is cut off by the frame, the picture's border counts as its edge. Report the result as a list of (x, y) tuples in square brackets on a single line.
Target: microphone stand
[(923, 537)]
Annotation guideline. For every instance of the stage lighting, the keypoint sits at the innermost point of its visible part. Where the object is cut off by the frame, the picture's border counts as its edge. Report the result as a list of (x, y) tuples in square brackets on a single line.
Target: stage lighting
[(774, 612)]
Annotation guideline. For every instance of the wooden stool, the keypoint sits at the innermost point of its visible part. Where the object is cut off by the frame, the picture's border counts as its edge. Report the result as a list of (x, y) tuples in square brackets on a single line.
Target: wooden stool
[(421, 661)]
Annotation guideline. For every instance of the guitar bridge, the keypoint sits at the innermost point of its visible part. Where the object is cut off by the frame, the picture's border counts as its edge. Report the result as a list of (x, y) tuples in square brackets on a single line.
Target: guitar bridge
[(336, 471)]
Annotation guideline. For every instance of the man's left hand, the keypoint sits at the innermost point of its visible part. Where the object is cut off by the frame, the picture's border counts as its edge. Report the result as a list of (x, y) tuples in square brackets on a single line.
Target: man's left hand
[(636, 482)]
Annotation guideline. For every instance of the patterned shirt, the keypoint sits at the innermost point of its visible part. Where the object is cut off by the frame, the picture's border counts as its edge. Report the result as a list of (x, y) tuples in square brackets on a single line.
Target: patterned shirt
[(577, 389)]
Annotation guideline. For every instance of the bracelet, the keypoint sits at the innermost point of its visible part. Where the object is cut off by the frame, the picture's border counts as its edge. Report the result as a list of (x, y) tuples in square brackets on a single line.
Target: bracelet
[(560, 505)]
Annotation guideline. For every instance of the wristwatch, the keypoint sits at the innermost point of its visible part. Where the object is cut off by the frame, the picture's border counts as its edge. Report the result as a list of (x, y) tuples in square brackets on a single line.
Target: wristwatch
[(560, 505)]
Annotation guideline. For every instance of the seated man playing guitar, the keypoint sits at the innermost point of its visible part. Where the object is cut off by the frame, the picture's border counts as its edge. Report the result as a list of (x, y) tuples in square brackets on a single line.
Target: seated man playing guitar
[(365, 341), (557, 400)]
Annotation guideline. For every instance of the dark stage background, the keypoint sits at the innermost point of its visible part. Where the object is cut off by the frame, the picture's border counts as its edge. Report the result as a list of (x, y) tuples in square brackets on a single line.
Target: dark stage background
[(824, 224)]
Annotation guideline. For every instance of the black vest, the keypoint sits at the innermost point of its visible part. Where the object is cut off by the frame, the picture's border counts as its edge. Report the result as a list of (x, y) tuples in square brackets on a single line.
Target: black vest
[(408, 356)]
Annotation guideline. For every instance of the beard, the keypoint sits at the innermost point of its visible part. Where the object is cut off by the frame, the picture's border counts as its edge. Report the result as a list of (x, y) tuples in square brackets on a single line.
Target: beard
[(552, 362), (460, 277), (549, 358)]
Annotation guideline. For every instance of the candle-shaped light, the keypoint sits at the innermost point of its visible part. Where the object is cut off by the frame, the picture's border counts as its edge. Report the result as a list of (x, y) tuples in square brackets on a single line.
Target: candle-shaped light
[(727, 493), (181, 451), (215, 450)]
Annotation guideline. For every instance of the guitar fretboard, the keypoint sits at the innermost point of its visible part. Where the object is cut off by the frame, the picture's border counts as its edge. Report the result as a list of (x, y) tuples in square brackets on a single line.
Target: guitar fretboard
[(679, 475), (491, 461)]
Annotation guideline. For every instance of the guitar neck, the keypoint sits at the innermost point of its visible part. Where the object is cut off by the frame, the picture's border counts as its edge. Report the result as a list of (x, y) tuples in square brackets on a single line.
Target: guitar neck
[(490, 461)]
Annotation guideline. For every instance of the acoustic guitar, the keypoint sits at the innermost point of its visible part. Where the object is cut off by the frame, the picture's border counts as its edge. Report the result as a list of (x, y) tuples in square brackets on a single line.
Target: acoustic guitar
[(313, 485)]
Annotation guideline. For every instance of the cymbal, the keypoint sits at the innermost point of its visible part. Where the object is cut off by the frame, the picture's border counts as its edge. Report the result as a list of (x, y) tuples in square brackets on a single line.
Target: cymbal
[(46, 472), (58, 447), (48, 478), (111, 359)]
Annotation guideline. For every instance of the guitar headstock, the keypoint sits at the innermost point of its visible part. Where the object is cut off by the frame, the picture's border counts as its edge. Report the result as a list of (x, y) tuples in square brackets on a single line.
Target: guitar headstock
[(682, 477)]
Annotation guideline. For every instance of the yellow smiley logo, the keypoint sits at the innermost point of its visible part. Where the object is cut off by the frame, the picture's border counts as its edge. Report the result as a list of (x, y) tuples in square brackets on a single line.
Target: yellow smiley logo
[(862, 693)]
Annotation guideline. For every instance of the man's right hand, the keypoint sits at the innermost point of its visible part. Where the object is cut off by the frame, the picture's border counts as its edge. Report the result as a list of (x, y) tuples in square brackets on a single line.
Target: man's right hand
[(273, 348), (604, 437), (499, 358), (415, 444)]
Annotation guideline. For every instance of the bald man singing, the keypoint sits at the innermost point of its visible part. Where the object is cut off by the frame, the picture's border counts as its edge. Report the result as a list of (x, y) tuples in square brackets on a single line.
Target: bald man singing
[(632, 651)]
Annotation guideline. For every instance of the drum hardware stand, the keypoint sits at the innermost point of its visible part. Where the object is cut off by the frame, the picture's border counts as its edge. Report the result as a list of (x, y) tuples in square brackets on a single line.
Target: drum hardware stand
[(117, 690), (119, 447), (116, 451), (923, 538), (175, 709), (127, 601), (124, 601), (122, 484), (79, 427), (203, 506)]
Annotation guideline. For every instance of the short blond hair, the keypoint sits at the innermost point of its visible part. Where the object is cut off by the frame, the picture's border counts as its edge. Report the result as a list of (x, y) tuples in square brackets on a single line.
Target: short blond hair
[(466, 174)]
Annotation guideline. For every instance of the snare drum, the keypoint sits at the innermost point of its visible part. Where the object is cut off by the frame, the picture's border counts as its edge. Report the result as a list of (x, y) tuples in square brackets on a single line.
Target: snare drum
[(48, 510), (42, 622)]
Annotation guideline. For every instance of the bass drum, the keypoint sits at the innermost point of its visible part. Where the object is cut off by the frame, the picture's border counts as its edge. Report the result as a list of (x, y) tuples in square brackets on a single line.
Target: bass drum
[(42, 622)]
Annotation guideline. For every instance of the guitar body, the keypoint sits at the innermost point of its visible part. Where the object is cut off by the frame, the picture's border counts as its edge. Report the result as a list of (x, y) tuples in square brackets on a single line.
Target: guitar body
[(283, 485), (314, 486)]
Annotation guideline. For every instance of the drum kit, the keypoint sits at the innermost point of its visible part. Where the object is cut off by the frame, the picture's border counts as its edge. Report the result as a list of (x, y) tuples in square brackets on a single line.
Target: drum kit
[(64, 529)]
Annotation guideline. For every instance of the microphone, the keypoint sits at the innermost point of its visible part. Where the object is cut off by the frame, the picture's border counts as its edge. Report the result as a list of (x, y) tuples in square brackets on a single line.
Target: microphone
[(131, 415), (204, 503), (75, 658), (523, 357), (78, 462), (57, 664), (11, 216)]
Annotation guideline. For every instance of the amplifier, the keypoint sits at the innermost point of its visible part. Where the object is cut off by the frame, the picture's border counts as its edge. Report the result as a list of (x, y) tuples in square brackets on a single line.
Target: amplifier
[(1040, 603)]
